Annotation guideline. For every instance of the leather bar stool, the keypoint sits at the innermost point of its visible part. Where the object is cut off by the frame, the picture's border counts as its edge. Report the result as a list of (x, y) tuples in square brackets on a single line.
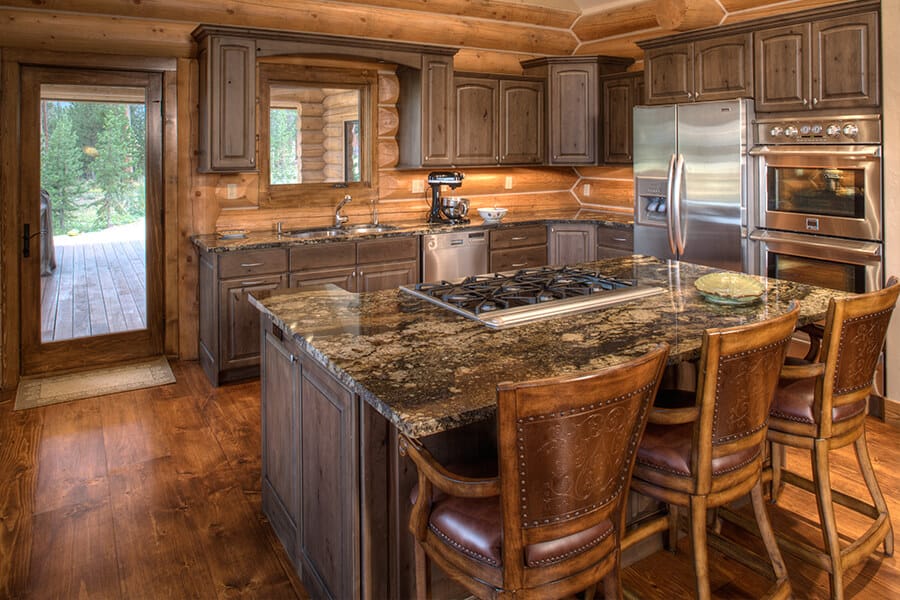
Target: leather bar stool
[(550, 524), (820, 405), (705, 450)]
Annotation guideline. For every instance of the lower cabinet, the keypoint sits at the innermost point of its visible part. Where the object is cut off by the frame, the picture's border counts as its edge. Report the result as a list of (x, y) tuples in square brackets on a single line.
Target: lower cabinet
[(614, 241), (229, 325), (310, 467), (570, 244), (365, 266), (521, 247)]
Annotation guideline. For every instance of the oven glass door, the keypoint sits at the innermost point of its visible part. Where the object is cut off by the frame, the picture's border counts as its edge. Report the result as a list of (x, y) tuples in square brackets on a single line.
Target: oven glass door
[(847, 265), (822, 190)]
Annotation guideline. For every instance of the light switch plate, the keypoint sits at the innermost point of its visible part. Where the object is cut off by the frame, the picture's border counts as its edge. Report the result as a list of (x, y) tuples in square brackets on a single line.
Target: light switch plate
[(418, 186), (231, 191), (586, 189), (508, 183)]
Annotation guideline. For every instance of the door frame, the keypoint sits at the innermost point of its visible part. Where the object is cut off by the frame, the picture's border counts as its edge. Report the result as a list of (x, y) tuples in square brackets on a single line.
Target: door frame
[(35, 355)]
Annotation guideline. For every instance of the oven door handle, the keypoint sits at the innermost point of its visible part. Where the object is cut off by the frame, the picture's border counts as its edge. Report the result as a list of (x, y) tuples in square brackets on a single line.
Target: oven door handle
[(670, 202), (847, 152), (810, 246)]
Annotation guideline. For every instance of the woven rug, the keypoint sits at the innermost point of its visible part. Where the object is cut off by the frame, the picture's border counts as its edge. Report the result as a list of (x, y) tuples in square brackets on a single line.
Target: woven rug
[(53, 389)]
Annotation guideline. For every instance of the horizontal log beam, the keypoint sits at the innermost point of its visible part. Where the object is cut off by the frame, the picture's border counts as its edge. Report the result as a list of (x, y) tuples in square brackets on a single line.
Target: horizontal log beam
[(495, 10), (319, 16), (686, 15), (616, 22), (747, 10)]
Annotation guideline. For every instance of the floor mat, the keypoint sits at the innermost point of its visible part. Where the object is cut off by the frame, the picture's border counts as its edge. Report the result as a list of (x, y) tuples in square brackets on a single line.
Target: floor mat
[(53, 389)]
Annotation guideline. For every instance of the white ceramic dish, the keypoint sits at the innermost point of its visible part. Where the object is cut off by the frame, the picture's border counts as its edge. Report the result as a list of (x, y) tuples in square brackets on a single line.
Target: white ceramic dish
[(730, 288), (492, 215)]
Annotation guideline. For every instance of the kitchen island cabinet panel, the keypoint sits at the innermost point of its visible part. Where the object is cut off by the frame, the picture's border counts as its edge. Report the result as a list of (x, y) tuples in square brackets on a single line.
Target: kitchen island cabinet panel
[(329, 483), (280, 395)]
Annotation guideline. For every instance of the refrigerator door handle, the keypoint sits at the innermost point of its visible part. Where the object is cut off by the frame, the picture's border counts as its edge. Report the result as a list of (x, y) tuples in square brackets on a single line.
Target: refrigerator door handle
[(677, 186), (670, 201)]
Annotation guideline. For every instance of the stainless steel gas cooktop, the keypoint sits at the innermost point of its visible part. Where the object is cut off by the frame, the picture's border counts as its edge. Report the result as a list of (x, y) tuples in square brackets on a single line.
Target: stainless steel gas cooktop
[(501, 300)]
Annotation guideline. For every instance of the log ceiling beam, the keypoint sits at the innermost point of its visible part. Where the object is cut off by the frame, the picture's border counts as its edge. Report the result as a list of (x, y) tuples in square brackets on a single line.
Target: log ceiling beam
[(618, 21), (495, 10), (685, 15), (320, 16)]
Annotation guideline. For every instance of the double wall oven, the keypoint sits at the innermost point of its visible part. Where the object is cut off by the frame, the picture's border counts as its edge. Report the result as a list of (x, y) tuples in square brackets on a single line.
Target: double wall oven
[(818, 201)]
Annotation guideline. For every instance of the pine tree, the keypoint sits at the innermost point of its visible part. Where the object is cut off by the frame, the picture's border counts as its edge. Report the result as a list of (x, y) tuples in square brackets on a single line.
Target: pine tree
[(61, 167), (112, 168)]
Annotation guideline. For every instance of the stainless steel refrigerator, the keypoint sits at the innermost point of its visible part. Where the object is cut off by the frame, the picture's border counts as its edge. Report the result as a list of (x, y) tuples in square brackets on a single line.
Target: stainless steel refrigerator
[(691, 181)]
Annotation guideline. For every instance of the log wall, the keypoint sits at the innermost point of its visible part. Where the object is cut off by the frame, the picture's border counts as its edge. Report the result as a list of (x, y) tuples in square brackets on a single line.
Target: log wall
[(493, 37)]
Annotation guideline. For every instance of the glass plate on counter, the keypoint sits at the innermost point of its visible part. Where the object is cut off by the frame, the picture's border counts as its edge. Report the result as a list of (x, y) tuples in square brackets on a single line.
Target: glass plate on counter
[(730, 288)]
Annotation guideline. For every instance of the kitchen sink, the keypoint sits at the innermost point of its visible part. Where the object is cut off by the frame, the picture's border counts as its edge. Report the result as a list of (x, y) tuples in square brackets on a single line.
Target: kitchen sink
[(322, 232), (368, 228)]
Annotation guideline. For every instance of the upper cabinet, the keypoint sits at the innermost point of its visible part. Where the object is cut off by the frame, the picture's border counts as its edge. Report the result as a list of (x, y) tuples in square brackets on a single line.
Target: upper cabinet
[(498, 121), (227, 103), (711, 69), (619, 94), (572, 104), (828, 63), (426, 113)]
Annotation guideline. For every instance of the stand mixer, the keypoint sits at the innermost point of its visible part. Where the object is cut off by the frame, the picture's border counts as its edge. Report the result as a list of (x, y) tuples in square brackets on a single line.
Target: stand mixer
[(446, 210)]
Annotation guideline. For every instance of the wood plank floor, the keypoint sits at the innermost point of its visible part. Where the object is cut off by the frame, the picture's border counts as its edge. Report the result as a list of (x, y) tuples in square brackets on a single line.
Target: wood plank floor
[(156, 494), (97, 288)]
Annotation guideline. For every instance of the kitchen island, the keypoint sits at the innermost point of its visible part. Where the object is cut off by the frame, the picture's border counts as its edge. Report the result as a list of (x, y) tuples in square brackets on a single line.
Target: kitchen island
[(343, 374)]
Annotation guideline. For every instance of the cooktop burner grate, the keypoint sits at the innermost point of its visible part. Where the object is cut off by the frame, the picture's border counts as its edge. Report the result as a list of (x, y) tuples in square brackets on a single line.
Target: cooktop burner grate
[(504, 299)]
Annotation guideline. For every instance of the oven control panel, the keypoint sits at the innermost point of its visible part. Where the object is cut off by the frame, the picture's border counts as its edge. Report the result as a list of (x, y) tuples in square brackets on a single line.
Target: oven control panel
[(861, 129)]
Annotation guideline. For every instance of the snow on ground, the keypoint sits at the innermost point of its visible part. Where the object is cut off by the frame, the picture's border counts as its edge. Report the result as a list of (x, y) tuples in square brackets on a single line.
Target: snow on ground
[(117, 233)]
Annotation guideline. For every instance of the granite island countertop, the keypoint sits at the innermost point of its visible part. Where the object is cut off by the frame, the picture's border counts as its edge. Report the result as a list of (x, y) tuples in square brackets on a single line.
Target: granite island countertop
[(427, 369), (254, 240)]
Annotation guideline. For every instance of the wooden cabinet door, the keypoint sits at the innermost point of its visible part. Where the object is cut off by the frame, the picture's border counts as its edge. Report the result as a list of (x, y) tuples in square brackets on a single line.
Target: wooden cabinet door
[(239, 320), (723, 68), (477, 121), (227, 104), (521, 122), (613, 242), (572, 244), (617, 101), (845, 61), (573, 113), (280, 398), (329, 503), (437, 110), (782, 68), (669, 74), (386, 276)]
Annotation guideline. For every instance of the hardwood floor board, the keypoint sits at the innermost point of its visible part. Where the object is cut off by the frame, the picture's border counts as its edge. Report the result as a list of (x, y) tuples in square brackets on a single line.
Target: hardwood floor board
[(159, 550), (74, 553), (131, 432), (71, 459), (20, 435)]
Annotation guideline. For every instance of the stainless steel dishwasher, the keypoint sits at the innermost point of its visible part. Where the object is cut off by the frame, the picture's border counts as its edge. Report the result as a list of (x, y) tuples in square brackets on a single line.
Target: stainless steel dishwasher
[(448, 256)]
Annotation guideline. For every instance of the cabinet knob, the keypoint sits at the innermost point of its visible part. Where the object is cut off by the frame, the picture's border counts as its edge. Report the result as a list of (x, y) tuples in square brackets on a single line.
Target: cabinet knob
[(815, 100), (805, 102), (293, 358), (690, 95)]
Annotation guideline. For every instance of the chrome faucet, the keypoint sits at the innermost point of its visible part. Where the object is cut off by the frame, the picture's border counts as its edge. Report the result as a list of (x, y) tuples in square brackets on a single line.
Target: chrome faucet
[(339, 219)]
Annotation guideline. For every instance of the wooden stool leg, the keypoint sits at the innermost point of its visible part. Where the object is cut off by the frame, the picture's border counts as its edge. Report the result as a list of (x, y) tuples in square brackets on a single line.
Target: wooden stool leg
[(699, 546), (868, 473), (423, 576), (777, 458), (822, 477), (765, 530), (612, 584), (673, 529)]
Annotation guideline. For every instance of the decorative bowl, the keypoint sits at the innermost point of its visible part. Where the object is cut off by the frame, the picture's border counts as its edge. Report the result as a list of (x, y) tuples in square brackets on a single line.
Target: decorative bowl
[(730, 288), (492, 215)]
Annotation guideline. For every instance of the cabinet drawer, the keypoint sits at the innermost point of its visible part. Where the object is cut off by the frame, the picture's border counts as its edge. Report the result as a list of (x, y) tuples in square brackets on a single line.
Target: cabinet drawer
[(387, 250), (320, 256), (613, 237), (512, 259), (252, 262), (516, 237)]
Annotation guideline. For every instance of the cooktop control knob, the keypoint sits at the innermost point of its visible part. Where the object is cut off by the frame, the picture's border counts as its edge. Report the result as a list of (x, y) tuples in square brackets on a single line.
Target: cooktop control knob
[(776, 131), (790, 131), (817, 129), (804, 130), (833, 130), (850, 130)]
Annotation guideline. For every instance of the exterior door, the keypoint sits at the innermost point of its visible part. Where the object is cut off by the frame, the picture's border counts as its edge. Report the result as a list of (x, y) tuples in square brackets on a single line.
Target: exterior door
[(91, 214)]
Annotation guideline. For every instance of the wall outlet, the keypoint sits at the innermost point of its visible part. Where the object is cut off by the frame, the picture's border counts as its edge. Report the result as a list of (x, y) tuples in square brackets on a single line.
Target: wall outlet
[(231, 191), (418, 186), (586, 189), (508, 183)]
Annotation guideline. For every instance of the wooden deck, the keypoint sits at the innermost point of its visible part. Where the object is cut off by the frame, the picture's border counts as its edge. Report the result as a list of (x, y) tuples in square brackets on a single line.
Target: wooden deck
[(97, 288)]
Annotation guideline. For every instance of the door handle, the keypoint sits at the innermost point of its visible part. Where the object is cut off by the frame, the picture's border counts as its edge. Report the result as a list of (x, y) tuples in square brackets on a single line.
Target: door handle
[(26, 239), (677, 186), (670, 200)]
